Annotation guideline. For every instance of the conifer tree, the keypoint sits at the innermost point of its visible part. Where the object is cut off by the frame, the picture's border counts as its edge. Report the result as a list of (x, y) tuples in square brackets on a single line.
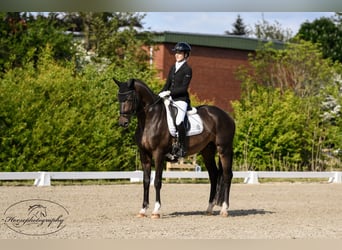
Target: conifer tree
[(239, 28)]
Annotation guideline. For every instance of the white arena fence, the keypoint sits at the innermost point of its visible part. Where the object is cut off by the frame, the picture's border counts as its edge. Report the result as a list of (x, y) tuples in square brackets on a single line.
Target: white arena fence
[(250, 177)]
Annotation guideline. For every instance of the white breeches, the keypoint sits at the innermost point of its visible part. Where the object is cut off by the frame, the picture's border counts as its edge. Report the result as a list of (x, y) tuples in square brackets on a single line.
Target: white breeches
[(182, 109)]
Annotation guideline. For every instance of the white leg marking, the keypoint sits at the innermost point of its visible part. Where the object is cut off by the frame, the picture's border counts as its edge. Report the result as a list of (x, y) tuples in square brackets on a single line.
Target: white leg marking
[(224, 209), (156, 208), (142, 211), (210, 208)]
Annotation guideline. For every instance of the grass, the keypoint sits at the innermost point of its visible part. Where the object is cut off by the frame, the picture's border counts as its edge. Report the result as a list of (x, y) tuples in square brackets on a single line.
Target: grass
[(174, 181), (293, 180)]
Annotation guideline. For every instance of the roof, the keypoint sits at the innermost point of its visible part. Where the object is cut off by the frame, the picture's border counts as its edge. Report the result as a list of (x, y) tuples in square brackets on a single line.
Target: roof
[(220, 41)]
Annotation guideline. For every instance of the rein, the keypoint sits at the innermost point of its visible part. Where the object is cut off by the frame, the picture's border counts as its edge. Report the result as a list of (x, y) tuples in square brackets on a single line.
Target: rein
[(125, 96), (154, 103)]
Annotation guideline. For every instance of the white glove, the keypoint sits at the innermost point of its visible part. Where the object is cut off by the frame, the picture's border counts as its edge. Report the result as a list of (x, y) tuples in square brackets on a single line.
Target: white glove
[(164, 94)]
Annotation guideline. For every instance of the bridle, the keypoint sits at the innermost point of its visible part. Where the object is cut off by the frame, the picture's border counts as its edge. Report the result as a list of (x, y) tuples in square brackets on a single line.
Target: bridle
[(128, 96), (131, 96)]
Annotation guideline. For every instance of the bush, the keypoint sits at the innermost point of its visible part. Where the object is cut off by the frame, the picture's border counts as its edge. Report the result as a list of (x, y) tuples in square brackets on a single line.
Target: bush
[(289, 114), (52, 119)]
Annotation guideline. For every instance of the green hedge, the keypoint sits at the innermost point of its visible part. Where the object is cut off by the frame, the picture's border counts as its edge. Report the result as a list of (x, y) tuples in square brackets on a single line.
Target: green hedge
[(53, 119)]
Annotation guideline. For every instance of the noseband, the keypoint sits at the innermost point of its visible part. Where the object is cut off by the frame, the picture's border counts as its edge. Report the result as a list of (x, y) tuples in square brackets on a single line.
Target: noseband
[(128, 96)]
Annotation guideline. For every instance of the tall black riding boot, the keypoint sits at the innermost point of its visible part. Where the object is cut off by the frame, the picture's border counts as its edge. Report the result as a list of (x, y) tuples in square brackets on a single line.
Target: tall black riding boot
[(181, 140)]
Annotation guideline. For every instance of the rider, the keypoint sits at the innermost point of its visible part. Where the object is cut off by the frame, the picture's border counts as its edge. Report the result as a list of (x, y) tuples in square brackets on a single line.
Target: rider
[(176, 85)]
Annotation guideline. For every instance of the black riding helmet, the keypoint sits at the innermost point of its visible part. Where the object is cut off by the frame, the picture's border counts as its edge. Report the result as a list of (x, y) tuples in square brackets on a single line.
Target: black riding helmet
[(184, 47)]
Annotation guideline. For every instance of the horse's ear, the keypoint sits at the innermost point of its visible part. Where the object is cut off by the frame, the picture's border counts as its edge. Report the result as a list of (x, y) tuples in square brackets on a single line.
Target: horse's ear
[(130, 83), (116, 81)]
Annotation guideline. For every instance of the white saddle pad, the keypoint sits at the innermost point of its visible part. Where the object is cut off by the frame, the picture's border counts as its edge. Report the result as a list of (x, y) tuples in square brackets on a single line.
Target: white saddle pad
[(196, 124)]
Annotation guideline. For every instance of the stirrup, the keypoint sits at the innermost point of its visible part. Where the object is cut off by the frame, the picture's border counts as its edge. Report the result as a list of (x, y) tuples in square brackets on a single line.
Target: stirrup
[(175, 148), (181, 152), (171, 157), (178, 150)]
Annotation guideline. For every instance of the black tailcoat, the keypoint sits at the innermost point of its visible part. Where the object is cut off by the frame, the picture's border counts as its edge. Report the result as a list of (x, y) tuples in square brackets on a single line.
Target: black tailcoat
[(178, 83)]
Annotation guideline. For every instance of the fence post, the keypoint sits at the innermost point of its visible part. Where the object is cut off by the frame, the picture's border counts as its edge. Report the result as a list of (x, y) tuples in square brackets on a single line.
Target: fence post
[(137, 179), (153, 175), (337, 177), (44, 179), (252, 178)]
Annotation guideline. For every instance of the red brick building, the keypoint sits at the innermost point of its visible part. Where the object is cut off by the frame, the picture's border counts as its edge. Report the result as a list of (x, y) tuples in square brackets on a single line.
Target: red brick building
[(214, 60)]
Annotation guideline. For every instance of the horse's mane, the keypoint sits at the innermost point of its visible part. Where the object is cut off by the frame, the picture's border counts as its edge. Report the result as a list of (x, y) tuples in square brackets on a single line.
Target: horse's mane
[(146, 87)]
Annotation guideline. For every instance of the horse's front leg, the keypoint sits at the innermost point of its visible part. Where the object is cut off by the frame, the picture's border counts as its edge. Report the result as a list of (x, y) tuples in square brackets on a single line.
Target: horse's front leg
[(159, 160), (146, 161)]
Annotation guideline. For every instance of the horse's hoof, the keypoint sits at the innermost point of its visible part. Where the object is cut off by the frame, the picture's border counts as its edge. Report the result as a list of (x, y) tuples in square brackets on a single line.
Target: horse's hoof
[(209, 213), (224, 214), (140, 215), (155, 216)]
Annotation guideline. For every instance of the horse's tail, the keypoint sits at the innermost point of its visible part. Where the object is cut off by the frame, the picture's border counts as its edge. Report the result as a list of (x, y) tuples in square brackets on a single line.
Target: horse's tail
[(219, 197)]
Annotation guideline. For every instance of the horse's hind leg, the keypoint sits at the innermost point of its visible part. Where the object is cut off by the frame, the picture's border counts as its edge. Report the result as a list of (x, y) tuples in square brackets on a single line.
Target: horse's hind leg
[(158, 161), (209, 160), (226, 161)]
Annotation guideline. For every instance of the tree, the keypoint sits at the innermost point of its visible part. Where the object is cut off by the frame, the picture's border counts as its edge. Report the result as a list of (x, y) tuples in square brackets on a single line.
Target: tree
[(53, 118), (108, 37), (338, 19), (239, 28), (113, 36), (267, 31), (24, 36), (299, 67), (281, 117), (326, 33)]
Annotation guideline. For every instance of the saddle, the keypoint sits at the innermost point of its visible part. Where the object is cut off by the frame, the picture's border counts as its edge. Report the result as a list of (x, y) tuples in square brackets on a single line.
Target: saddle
[(193, 121)]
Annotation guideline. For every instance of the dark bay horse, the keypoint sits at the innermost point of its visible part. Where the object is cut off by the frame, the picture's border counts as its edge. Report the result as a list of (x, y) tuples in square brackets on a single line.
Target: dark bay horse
[(154, 141)]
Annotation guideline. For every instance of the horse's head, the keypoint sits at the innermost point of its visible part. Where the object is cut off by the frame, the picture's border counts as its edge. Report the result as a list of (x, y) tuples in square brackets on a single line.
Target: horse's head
[(37, 211), (128, 101)]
